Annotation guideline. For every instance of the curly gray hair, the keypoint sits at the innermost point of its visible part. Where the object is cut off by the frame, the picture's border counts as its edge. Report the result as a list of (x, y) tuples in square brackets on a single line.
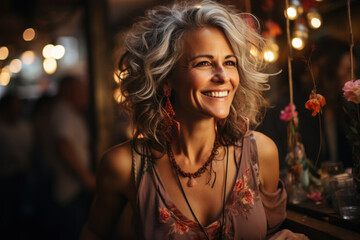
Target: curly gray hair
[(154, 46)]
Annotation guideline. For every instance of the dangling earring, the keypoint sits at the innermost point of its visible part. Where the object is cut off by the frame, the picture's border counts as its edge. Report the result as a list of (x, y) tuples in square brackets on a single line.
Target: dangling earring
[(170, 128)]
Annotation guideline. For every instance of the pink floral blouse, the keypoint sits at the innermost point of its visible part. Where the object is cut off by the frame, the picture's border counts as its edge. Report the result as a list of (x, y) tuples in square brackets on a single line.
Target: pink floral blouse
[(250, 212)]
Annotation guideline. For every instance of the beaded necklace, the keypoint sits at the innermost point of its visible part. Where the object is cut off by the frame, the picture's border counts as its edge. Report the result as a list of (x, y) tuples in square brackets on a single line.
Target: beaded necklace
[(192, 182)]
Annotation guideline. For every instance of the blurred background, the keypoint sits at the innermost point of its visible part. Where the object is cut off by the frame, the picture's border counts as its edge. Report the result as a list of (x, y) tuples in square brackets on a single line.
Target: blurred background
[(59, 95)]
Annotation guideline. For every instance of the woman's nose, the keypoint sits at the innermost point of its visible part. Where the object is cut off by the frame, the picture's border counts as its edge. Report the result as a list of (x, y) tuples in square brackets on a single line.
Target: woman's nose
[(220, 74)]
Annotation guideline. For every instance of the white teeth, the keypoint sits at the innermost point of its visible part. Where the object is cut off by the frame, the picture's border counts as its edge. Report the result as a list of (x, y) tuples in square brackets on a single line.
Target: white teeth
[(217, 94)]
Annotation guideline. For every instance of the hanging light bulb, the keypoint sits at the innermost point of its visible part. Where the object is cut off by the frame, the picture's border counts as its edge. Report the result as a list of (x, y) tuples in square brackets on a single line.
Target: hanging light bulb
[(300, 36), (294, 10), (314, 18)]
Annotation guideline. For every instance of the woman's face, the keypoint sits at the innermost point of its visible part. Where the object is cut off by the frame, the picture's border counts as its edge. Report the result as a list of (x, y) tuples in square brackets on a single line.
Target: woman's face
[(206, 77)]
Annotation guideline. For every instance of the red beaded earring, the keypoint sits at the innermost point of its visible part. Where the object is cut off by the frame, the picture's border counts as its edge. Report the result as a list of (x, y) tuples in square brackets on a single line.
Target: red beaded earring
[(170, 128)]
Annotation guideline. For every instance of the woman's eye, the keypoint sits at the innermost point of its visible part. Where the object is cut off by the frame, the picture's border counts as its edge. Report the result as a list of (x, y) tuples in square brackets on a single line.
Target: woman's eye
[(203, 63), (230, 63)]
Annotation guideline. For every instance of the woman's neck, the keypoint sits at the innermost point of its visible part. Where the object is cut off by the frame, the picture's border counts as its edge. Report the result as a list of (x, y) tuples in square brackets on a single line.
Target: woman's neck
[(196, 140)]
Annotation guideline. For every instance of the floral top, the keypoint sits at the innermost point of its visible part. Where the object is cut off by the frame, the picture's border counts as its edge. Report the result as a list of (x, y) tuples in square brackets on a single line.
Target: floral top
[(250, 212)]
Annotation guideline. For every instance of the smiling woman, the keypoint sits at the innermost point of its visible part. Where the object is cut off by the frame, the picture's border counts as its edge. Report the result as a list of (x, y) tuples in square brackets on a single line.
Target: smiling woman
[(206, 77), (193, 169)]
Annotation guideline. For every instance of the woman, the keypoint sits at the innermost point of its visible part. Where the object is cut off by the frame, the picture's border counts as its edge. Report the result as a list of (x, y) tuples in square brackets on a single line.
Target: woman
[(193, 169)]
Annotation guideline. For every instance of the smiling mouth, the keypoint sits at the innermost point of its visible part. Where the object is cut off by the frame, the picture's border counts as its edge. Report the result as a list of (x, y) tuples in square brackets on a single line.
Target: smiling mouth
[(216, 94)]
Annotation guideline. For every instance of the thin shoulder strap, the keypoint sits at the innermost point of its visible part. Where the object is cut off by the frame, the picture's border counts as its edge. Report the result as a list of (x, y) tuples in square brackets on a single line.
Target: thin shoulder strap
[(254, 156), (139, 164)]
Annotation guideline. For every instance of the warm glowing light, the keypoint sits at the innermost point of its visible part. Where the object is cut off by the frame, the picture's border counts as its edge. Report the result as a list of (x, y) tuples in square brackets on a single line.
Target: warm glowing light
[(29, 34), (291, 13), (4, 53), (50, 65), (271, 51), (269, 56), (253, 51), (297, 43), (48, 50), (15, 66), (5, 76), (315, 23), (294, 9), (314, 18), (118, 96), (27, 57), (58, 52), (197, 6)]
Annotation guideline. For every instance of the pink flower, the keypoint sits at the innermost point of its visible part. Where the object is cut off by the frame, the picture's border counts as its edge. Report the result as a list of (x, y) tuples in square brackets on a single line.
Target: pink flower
[(286, 114), (248, 197), (164, 215), (352, 91), (180, 228), (315, 196), (239, 185)]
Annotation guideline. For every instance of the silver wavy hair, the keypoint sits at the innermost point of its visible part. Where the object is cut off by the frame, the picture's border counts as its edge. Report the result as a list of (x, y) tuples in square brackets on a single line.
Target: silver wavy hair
[(154, 46)]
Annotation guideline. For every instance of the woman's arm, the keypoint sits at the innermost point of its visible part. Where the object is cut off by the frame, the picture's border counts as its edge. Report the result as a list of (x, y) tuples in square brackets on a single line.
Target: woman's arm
[(268, 162), (114, 188)]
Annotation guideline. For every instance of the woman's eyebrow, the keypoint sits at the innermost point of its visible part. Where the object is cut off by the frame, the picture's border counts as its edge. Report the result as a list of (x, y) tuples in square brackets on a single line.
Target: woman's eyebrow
[(230, 56), (200, 56), (210, 56)]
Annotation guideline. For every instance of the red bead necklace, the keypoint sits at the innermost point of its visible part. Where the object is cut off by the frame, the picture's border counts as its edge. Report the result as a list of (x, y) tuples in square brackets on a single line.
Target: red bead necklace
[(192, 182)]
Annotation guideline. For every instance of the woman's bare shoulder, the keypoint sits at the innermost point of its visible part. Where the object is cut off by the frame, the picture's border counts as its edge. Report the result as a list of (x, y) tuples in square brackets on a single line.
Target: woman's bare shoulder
[(268, 161), (115, 168)]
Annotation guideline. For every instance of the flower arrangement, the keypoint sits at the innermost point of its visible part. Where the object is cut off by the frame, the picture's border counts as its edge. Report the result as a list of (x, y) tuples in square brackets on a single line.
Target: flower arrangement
[(351, 92)]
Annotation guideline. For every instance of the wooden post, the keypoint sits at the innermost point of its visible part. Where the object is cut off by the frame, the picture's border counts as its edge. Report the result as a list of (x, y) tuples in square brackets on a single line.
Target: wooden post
[(100, 72)]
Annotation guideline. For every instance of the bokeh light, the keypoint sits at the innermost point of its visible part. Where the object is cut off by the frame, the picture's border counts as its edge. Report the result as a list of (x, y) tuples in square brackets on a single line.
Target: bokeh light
[(297, 43), (48, 50), (49, 65), (58, 52), (4, 53), (29, 34), (28, 57), (5, 77), (291, 13), (15, 66)]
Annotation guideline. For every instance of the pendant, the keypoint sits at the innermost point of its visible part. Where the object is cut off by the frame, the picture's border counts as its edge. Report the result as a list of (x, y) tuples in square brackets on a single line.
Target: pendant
[(192, 182)]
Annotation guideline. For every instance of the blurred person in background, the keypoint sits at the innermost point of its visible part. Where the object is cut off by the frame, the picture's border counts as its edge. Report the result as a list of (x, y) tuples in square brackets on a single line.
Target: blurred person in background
[(74, 182), (15, 152)]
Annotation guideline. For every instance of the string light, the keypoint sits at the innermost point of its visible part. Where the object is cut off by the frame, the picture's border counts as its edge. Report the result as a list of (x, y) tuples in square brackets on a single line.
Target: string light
[(28, 57), (5, 76), (47, 51), (49, 65), (271, 53), (58, 52), (314, 18), (4, 53), (29, 34), (300, 36), (15, 66), (294, 10)]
